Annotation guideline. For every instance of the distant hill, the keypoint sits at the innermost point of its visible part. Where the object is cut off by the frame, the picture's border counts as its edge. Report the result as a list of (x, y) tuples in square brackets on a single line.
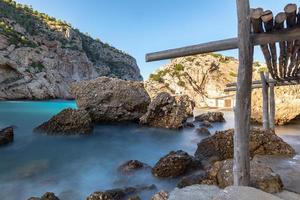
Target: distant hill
[(41, 56)]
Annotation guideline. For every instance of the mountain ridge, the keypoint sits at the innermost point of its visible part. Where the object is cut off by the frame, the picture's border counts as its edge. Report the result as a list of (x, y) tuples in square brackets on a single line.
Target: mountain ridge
[(40, 56)]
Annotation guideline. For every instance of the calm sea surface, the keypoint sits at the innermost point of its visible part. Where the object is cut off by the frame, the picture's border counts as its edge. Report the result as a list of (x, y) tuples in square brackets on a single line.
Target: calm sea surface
[(73, 167)]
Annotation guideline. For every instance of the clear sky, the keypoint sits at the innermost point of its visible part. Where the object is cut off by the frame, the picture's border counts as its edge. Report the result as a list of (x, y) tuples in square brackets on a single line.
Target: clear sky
[(142, 26)]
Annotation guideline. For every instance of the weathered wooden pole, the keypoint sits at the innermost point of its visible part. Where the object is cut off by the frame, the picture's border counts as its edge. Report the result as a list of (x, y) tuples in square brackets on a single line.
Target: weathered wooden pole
[(265, 105), (241, 167), (272, 106)]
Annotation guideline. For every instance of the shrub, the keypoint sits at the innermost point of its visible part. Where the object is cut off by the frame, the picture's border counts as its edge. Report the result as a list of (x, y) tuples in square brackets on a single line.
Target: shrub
[(181, 83), (156, 77), (38, 66), (178, 67), (233, 74)]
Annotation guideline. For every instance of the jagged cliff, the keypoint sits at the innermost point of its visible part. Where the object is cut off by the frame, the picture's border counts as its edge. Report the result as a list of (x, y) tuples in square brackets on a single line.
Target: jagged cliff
[(203, 78), (40, 56)]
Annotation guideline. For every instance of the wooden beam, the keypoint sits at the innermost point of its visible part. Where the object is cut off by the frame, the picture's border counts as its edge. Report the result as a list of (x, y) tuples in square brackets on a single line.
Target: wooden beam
[(253, 82), (241, 161), (258, 86), (265, 106), (227, 44), (272, 106)]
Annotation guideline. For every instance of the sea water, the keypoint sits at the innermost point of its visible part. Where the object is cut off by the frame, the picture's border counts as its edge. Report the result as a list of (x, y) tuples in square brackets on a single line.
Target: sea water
[(75, 166)]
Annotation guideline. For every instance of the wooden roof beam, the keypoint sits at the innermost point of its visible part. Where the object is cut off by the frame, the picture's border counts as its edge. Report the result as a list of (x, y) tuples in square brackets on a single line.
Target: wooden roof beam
[(227, 44)]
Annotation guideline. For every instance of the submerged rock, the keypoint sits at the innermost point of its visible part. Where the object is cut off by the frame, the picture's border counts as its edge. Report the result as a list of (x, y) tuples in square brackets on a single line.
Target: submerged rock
[(162, 195), (132, 165), (174, 164), (119, 193), (203, 131), (46, 196), (210, 117), (206, 124), (188, 125), (220, 145), (194, 179), (166, 111), (111, 99), (134, 198), (68, 122), (6, 135)]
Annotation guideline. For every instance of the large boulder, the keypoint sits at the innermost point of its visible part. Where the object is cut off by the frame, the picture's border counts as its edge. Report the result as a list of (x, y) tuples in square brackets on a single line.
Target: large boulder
[(166, 111), (261, 176), (174, 164), (111, 99), (68, 122), (46, 196), (6, 136), (262, 142), (210, 117)]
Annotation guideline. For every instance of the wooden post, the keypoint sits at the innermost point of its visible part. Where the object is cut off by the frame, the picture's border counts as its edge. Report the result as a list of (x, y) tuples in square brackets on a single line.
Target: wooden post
[(241, 167), (265, 106), (272, 106)]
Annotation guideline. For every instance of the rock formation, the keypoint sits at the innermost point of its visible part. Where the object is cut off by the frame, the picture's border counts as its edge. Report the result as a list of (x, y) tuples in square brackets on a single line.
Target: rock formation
[(210, 117), (46, 196), (68, 122), (203, 78), (111, 99), (261, 176), (203, 131), (120, 193), (220, 145), (6, 136), (220, 174), (40, 56), (175, 164), (132, 165), (166, 111), (162, 195)]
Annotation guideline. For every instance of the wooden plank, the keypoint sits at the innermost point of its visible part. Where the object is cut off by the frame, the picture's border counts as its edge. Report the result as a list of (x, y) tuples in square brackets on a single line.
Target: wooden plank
[(291, 13), (279, 25), (257, 27), (268, 21), (265, 106), (259, 86), (272, 106), (241, 161), (227, 44)]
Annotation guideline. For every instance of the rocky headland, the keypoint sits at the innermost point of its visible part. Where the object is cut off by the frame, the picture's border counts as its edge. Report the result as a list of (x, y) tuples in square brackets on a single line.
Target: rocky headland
[(40, 56)]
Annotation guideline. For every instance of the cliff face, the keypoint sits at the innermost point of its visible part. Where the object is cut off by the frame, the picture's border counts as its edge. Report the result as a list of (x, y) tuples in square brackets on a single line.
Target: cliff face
[(40, 57), (204, 77)]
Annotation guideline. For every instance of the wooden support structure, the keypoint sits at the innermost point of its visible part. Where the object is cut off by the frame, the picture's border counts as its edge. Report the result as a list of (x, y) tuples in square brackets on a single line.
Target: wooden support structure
[(267, 30), (265, 106), (242, 111), (272, 106)]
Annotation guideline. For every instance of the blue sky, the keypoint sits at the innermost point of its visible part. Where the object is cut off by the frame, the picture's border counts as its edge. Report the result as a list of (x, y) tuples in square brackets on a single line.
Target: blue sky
[(142, 26)]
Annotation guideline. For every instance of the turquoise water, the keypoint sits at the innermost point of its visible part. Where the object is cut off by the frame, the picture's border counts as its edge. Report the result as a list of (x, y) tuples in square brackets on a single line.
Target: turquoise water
[(74, 167)]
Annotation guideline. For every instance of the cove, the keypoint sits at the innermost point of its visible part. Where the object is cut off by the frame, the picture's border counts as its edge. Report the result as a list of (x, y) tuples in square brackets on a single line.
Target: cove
[(75, 166)]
